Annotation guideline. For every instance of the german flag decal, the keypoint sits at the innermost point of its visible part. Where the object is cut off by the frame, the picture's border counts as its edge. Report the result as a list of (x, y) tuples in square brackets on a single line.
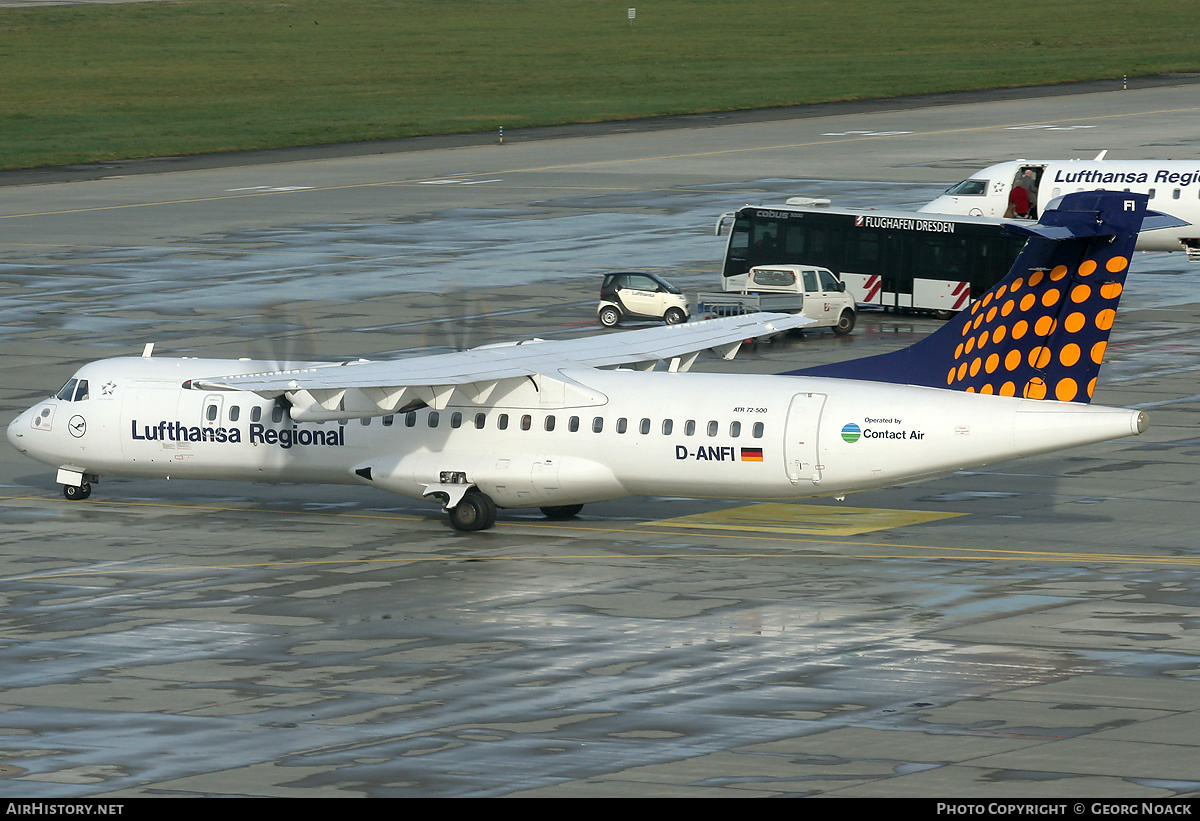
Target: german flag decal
[(752, 454)]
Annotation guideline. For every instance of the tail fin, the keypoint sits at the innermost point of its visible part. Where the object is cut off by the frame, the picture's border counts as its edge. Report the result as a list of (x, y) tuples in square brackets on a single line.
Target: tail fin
[(1042, 331)]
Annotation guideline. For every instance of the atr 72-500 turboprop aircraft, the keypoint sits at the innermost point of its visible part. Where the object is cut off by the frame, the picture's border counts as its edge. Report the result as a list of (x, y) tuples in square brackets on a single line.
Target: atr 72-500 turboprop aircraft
[(555, 425)]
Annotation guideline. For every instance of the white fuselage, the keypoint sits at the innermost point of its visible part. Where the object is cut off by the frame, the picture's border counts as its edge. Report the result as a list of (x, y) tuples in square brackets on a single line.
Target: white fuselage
[(1172, 185), (614, 434)]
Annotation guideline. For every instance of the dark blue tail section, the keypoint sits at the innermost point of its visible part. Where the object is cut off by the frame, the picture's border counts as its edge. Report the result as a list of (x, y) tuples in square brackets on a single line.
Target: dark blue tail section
[(1042, 331)]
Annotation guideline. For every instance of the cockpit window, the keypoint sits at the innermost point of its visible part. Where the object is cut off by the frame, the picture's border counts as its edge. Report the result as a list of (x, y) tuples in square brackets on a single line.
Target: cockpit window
[(76, 390), (67, 394), (969, 188)]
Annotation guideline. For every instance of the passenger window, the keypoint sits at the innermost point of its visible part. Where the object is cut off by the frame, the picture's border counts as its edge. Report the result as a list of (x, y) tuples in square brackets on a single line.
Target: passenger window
[(758, 430), (256, 414), (480, 420), (1175, 194), (276, 414), (549, 423), (210, 413), (434, 418), (388, 420), (735, 429), (713, 427), (667, 427), (573, 424), (526, 422), (410, 419), (689, 427), (502, 421), (234, 412), (598, 424), (810, 280), (645, 426), (622, 424), (456, 420), (366, 420), (1151, 192)]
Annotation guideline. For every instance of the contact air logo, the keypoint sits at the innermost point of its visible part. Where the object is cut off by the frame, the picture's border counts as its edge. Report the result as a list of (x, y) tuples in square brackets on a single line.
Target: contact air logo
[(851, 432)]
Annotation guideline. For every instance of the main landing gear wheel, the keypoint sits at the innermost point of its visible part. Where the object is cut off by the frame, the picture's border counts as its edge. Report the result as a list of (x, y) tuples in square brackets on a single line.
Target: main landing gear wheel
[(77, 493), (609, 317), (476, 511), (561, 511)]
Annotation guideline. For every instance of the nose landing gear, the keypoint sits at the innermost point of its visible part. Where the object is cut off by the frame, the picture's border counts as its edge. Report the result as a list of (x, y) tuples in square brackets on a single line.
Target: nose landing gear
[(77, 493), (76, 484)]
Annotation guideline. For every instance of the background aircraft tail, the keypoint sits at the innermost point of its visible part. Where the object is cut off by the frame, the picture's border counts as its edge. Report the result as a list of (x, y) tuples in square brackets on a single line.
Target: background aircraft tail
[(1042, 331)]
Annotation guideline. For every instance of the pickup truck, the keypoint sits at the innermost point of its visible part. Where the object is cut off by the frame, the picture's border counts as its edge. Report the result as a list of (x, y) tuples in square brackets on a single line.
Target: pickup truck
[(797, 289)]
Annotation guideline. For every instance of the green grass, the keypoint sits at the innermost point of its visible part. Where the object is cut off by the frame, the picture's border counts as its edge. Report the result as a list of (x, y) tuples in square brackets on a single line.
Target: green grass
[(88, 83)]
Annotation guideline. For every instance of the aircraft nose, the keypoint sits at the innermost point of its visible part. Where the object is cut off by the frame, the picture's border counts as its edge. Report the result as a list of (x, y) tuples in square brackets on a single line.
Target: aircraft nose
[(936, 205), (14, 431)]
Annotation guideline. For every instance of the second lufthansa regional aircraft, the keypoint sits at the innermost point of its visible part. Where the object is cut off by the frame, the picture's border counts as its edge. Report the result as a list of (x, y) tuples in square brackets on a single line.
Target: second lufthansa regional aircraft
[(1173, 187), (557, 424)]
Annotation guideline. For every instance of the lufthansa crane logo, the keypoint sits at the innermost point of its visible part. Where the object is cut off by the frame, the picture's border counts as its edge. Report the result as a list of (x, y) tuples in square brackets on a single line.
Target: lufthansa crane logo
[(77, 426)]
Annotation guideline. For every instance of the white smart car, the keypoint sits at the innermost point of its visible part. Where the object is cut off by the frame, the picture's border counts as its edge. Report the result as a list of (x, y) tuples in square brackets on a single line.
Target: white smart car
[(639, 295)]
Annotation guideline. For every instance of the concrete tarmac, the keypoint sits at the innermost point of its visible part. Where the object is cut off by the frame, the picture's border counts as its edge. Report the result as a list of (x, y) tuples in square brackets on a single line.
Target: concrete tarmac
[(1028, 630)]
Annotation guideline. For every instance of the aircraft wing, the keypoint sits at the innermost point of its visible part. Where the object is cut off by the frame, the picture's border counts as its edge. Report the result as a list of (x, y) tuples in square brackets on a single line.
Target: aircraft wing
[(365, 388)]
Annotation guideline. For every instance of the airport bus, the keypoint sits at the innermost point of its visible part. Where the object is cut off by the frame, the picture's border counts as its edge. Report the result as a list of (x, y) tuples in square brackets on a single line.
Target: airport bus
[(892, 259)]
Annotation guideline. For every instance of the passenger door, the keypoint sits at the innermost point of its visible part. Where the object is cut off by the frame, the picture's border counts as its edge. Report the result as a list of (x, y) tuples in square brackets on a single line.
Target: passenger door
[(833, 298), (816, 306), (801, 450)]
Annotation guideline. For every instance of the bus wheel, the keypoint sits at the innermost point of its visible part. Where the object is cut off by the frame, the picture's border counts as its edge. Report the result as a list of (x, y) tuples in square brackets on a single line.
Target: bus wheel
[(609, 317), (476, 511), (845, 323), (943, 314), (77, 493), (561, 511)]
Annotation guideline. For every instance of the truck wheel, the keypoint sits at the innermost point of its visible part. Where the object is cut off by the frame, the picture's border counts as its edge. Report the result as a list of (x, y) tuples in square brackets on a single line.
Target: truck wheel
[(845, 323), (610, 317), (476, 511), (674, 316)]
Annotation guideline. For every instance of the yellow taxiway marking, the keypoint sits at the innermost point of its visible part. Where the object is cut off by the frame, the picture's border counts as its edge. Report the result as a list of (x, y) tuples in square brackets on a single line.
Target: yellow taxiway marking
[(809, 520)]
